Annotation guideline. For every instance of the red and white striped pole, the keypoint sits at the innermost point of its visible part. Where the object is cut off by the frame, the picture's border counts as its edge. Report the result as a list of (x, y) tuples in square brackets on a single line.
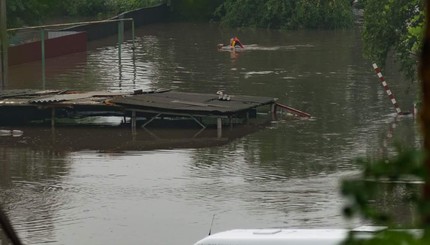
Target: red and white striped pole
[(387, 89), (389, 136)]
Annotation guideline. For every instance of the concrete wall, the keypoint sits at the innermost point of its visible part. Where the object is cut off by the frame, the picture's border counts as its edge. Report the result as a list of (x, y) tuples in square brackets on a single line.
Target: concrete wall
[(54, 47)]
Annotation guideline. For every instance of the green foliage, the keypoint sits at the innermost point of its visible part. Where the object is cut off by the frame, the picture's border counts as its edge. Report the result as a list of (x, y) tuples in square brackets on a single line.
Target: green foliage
[(26, 12), (378, 179), (84, 7), (286, 14), (194, 9), (406, 166), (359, 4), (103, 7), (391, 27), (31, 12), (394, 26), (389, 237)]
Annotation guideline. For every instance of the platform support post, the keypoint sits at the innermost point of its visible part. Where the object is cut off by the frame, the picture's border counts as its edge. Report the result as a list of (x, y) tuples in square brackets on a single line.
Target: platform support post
[(273, 110), (53, 117), (42, 43), (219, 127), (133, 121), (230, 121)]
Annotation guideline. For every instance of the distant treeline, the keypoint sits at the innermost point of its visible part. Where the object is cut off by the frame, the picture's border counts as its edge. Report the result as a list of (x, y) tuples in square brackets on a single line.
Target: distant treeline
[(31, 12), (286, 14), (276, 14)]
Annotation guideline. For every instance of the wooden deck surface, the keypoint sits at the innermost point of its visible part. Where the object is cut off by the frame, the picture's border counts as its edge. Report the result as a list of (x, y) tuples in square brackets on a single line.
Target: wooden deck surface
[(181, 102)]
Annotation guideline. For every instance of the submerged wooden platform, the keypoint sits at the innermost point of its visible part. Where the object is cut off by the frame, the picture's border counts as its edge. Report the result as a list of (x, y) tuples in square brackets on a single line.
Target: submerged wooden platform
[(139, 107), (192, 103)]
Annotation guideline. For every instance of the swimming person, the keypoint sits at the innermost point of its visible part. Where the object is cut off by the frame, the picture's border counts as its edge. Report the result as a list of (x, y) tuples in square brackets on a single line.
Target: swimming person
[(235, 42)]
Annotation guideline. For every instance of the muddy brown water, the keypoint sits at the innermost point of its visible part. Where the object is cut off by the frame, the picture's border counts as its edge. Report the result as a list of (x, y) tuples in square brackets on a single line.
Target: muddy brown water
[(91, 185)]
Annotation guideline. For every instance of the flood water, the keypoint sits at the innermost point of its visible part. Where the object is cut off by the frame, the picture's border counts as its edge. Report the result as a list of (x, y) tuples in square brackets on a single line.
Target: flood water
[(102, 186)]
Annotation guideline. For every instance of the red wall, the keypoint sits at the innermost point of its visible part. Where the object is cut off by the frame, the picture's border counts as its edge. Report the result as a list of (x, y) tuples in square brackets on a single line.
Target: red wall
[(58, 46)]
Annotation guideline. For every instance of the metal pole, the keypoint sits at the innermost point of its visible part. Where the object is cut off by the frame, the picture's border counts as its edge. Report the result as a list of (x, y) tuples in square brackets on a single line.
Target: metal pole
[(230, 120), (133, 122), (4, 44), (66, 24), (120, 38), (134, 52), (42, 41), (132, 36), (273, 111), (387, 89), (219, 127)]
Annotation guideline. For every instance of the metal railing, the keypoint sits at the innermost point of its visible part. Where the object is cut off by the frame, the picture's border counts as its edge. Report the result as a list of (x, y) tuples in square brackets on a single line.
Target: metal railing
[(41, 37)]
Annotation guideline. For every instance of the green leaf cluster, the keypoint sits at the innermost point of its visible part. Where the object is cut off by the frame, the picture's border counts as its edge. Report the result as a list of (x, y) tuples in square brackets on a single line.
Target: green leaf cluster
[(381, 178), (389, 237), (26, 12), (404, 168), (394, 26), (286, 14)]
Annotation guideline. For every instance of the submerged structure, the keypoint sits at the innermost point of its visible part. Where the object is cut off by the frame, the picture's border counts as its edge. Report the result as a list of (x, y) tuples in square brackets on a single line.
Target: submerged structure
[(137, 108)]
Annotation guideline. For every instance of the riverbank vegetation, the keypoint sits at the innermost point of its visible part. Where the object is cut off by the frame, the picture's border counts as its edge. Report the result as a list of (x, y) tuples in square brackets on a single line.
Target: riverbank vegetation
[(286, 14), (275, 14), (34, 12), (394, 28)]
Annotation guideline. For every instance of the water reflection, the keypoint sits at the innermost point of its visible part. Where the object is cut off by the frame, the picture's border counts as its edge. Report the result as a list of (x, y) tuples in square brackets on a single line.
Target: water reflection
[(32, 179), (118, 138)]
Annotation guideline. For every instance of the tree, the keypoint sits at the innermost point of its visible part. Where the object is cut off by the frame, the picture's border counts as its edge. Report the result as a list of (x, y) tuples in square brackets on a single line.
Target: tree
[(394, 27), (27, 12)]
